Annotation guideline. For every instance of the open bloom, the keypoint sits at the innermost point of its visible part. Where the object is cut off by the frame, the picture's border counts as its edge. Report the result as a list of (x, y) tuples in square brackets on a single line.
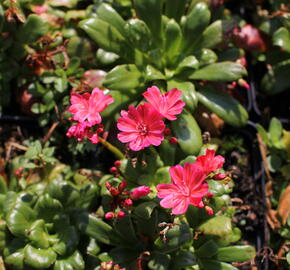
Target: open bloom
[(88, 106), (188, 187), (168, 104), (209, 162), (139, 192), (141, 127)]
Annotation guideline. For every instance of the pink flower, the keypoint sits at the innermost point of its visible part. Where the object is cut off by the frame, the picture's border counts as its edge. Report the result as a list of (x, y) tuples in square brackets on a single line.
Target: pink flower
[(209, 162), (79, 131), (139, 192), (88, 106), (141, 126), (168, 104), (188, 187)]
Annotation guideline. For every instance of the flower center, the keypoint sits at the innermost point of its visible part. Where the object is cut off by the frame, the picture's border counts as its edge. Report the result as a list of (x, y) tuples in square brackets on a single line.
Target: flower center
[(142, 129)]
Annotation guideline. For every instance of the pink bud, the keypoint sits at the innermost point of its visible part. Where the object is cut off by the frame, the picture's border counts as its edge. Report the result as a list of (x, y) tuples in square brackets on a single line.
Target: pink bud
[(127, 203), (209, 195), (220, 176), (109, 215), (167, 131), (173, 140), (122, 185), (117, 163), (209, 211), (100, 130), (113, 170), (121, 214), (94, 138), (139, 192), (114, 191), (201, 204), (243, 83)]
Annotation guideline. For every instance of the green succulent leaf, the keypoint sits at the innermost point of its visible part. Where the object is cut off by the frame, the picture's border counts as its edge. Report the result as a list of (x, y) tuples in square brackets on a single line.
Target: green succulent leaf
[(124, 78), (188, 63), (20, 217), (47, 207), (64, 192), (195, 23), (182, 260), (145, 210), (206, 57), (106, 13), (236, 254), (159, 261), (207, 250), (125, 255), (212, 36), (173, 39), (38, 234), (222, 71), (138, 34), (167, 152), (33, 29), (95, 228), (150, 12), (275, 130), (274, 81), (39, 258), (68, 239), (219, 225), (189, 95), (152, 74), (175, 238), (106, 35), (281, 38), (73, 262), (14, 254), (213, 265), (225, 106), (188, 133), (175, 9)]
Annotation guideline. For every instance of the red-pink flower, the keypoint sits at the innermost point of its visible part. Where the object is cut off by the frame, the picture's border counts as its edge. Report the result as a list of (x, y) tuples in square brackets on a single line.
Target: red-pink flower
[(168, 104), (79, 131), (139, 192), (141, 127), (88, 106), (209, 162), (188, 187)]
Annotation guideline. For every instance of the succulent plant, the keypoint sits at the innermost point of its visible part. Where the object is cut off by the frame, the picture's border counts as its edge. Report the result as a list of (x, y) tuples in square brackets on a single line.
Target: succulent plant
[(170, 45)]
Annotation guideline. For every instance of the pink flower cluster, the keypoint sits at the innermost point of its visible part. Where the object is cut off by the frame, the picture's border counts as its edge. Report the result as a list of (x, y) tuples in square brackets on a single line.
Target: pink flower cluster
[(86, 110), (144, 126), (188, 184)]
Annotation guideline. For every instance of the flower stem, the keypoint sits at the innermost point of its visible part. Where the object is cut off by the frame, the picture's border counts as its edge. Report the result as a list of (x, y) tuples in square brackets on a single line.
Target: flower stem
[(112, 148)]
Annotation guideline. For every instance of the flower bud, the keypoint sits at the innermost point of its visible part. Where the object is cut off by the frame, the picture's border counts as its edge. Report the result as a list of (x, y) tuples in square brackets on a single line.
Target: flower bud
[(108, 185), (117, 163), (173, 140), (167, 131), (113, 170), (209, 195), (114, 191), (201, 204), (220, 176), (209, 211), (109, 215), (100, 130), (243, 83), (127, 203), (122, 185), (139, 192), (121, 214)]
